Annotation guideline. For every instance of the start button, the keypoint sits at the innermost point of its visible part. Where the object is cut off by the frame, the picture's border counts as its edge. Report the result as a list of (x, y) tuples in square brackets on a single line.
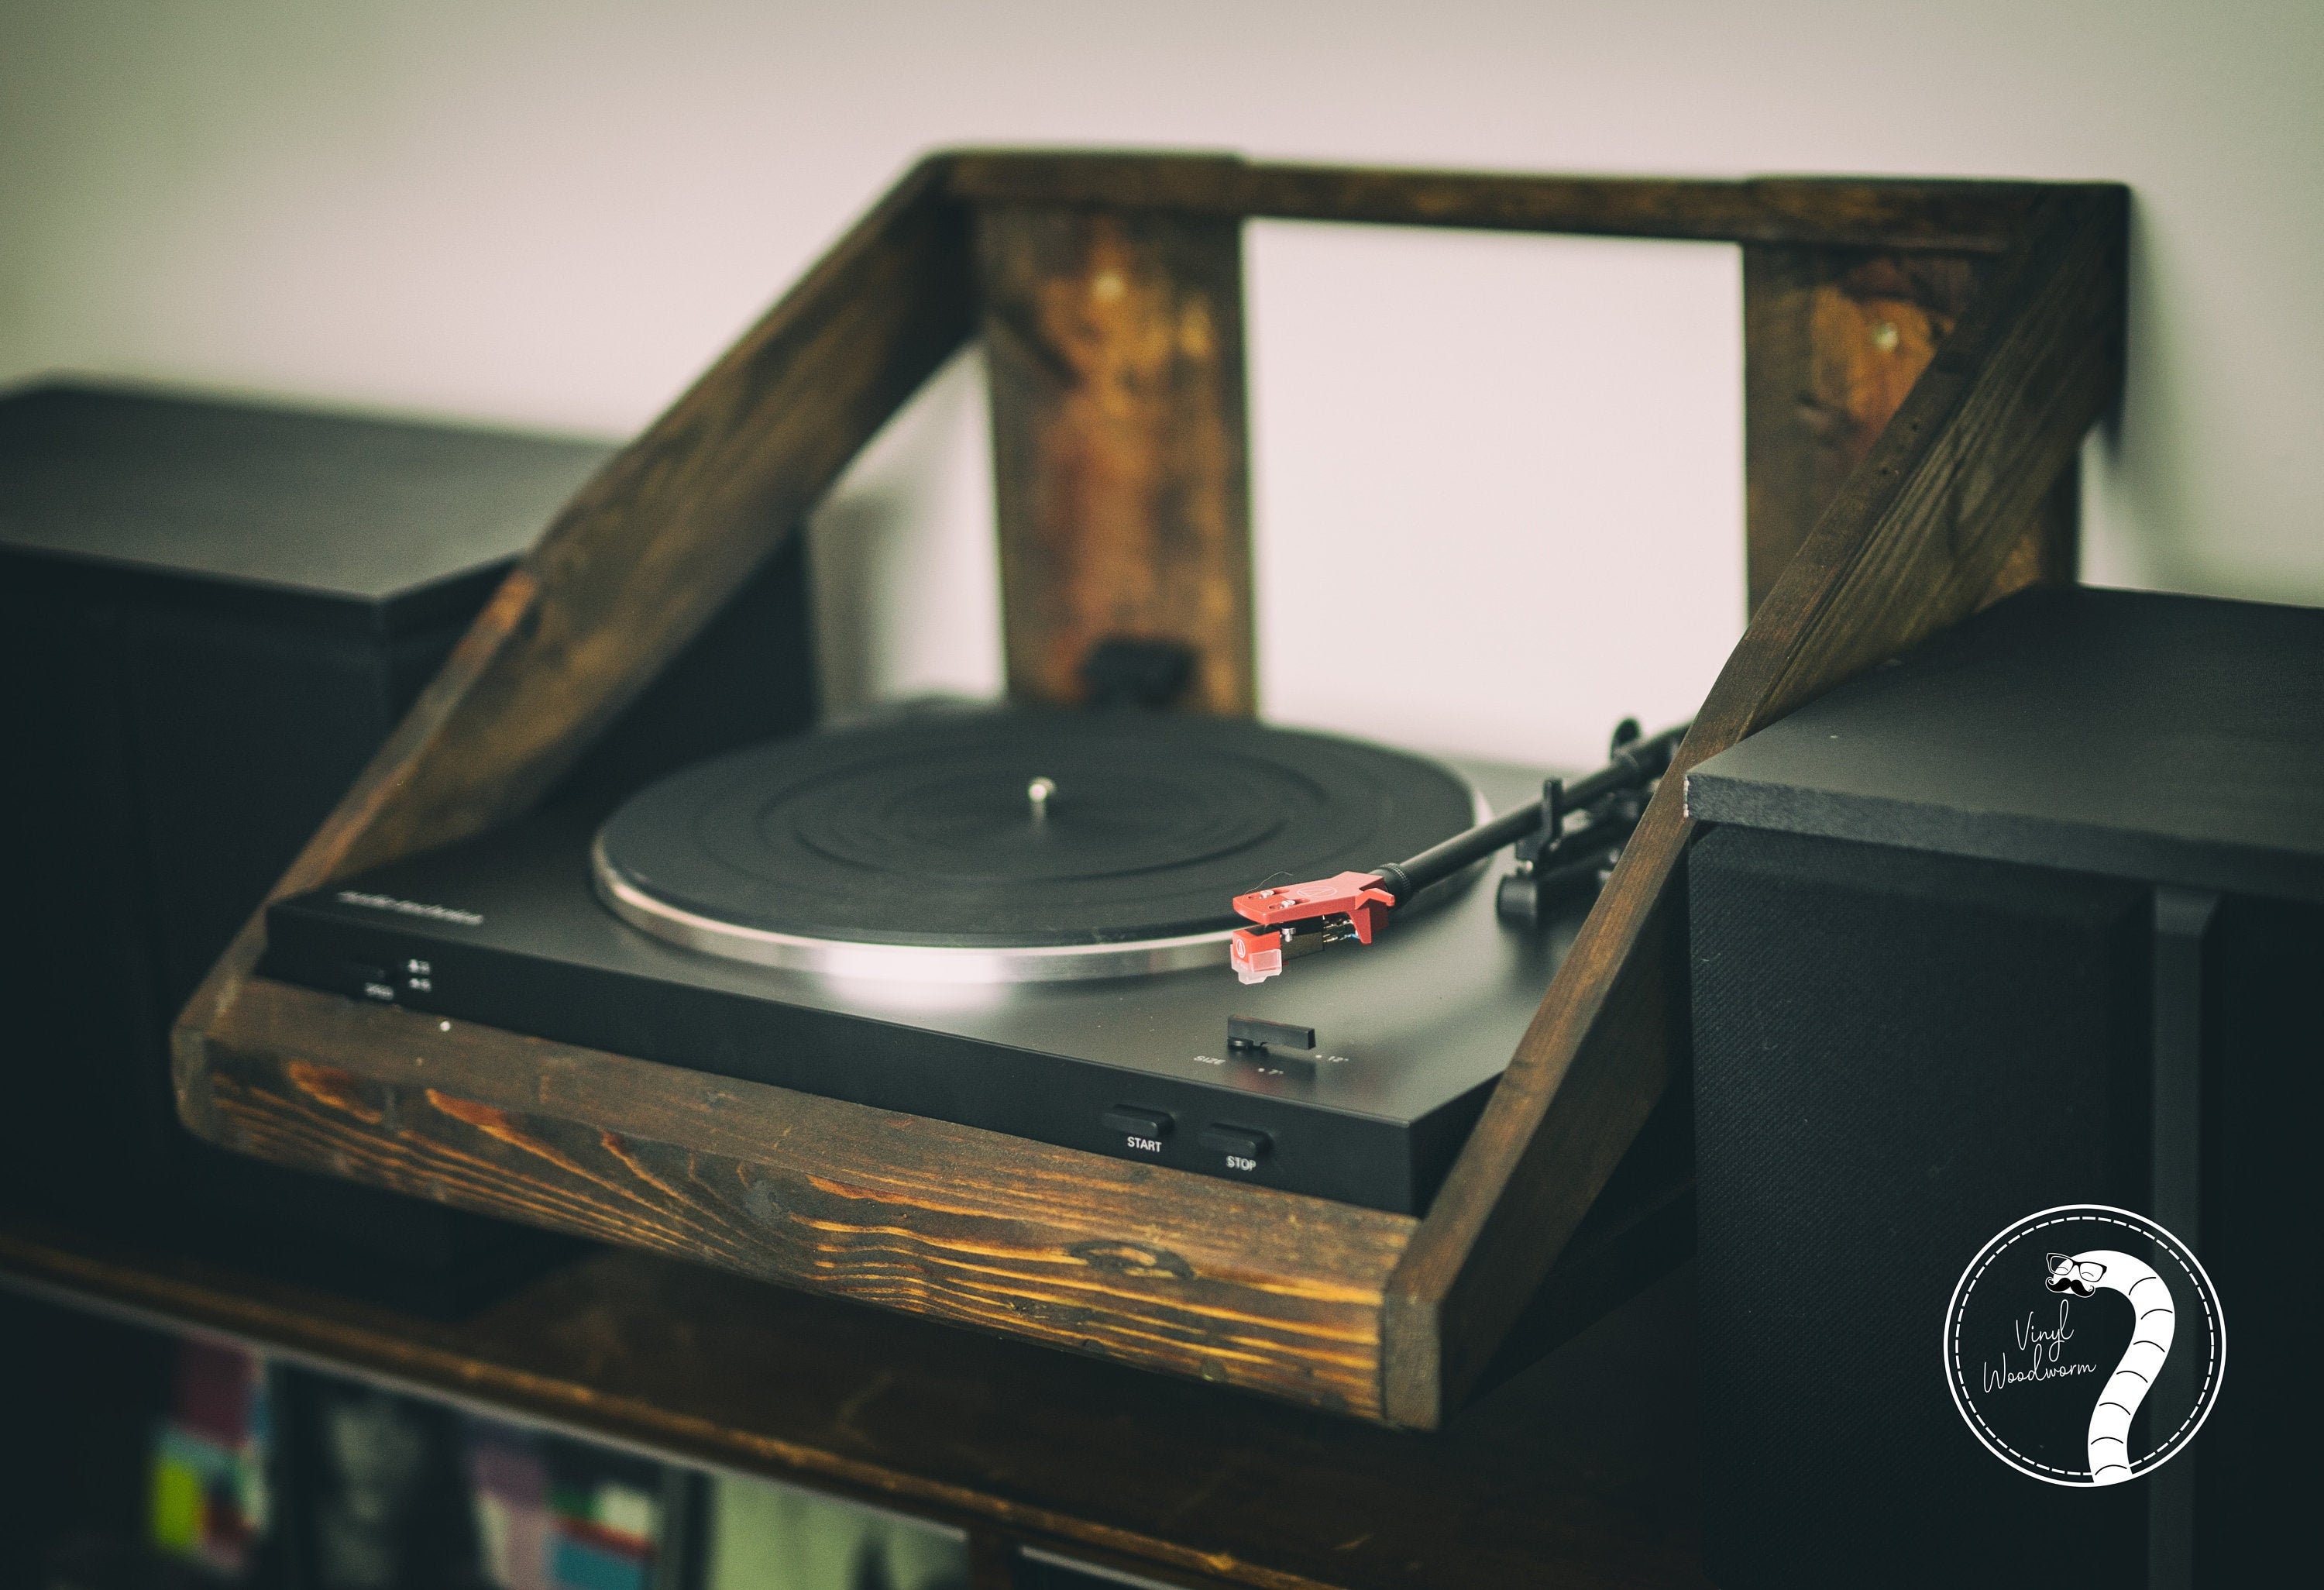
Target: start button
[(1142, 1131)]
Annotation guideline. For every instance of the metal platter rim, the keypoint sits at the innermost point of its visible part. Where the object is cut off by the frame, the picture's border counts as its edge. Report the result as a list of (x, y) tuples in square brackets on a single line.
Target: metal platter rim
[(857, 958), (955, 964)]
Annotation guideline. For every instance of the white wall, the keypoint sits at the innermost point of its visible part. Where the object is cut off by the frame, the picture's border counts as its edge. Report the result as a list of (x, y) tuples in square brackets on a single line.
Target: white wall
[(556, 213)]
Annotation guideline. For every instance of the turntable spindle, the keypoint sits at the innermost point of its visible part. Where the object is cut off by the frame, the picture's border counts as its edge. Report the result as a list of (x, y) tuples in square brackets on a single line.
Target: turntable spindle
[(1038, 792)]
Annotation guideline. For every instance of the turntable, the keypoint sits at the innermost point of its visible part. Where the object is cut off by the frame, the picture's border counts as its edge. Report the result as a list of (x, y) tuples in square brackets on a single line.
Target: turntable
[(1039, 923)]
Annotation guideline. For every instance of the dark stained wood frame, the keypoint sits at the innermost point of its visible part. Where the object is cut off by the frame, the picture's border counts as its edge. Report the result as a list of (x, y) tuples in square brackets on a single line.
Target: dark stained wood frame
[(1922, 360)]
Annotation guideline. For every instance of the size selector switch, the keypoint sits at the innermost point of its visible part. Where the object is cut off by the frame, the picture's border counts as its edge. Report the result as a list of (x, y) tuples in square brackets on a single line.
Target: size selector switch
[(1142, 1131), (1243, 1146), (1249, 1032)]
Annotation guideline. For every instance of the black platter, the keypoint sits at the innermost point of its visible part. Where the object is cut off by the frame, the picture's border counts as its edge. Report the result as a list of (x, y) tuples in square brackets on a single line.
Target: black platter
[(1007, 846)]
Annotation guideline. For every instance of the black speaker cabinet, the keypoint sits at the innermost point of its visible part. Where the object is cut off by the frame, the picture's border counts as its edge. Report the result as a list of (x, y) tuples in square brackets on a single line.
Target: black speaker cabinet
[(211, 613), (2028, 921)]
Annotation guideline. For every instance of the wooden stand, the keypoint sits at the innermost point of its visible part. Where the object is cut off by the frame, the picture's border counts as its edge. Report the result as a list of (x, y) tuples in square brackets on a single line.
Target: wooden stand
[(1922, 360)]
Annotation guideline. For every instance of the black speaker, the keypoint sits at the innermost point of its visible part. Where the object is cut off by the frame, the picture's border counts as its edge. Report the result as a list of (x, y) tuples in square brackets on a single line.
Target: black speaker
[(211, 614), (2005, 949)]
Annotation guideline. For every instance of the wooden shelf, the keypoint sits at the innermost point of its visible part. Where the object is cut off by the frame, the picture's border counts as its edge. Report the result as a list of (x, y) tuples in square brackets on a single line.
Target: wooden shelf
[(1580, 1472), (1922, 360), (1243, 1286)]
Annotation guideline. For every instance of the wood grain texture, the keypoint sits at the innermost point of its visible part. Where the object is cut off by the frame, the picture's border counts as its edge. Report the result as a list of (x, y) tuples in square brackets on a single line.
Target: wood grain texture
[(1978, 217), (1580, 1474), (1915, 539), (1832, 340), (648, 551), (1265, 1291), (1115, 348), (2049, 551), (1960, 471)]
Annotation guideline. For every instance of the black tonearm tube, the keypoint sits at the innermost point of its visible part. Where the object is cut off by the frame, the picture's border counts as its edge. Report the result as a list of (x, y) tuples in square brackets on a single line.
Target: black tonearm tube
[(1555, 862)]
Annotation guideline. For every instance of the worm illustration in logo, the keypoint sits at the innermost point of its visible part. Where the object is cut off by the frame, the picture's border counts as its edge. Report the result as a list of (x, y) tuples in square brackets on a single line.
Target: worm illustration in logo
[(2070, 1388), (2083, 1275)]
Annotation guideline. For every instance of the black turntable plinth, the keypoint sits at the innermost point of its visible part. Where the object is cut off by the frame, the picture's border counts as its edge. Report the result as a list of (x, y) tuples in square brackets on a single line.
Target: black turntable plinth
[(1015, 922)]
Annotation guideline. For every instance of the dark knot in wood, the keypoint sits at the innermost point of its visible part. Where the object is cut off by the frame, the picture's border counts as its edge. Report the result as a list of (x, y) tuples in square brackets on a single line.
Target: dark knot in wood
[(1132, 1259)]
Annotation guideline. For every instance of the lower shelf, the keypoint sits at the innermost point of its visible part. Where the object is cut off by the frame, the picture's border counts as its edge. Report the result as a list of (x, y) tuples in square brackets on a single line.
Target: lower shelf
[(1581, 1472)]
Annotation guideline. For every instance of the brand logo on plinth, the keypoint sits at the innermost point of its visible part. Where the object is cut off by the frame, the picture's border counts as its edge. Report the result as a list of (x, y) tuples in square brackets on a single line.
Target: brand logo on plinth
[(2085, 1345)]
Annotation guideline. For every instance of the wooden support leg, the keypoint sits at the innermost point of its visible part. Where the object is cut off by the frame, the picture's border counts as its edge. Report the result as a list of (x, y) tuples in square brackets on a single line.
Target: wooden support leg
[(1115, 348), (1912, 540), (1833, 340)]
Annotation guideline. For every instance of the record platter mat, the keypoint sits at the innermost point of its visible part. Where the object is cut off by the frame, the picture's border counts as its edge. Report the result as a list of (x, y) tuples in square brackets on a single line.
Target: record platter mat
[(1007, 846)]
